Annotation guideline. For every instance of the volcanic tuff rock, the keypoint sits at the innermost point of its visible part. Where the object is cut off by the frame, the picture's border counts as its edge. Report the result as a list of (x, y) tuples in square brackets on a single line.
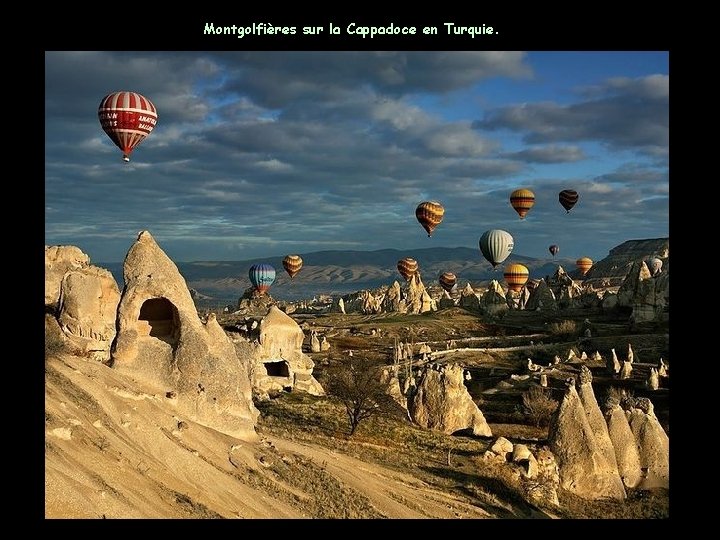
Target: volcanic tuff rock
[(161, 339), (584, 467), (542, 298), (443, 403), (624, 445), (621, 258), (58, 261), (647, 295), (653, 443), (468, 299), (493, 299)]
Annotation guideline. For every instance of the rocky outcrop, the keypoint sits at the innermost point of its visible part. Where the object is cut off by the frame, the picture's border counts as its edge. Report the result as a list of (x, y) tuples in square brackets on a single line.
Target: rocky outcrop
[(443, 403), (542, 298), (493, 300), (469, 300), (596, 419), (338, 306), (584, 467), (624, 445), (417, 298), (161, 339), (280, 364), (446, 301), (87, 309), (621, 258), (393, 299), (647, 295), (362, 302), (59, 260), (652, 441)]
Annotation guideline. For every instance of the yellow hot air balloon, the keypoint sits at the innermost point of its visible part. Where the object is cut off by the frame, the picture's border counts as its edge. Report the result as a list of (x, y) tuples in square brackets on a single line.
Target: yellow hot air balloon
[(292, 264), (584, 264), (516, 276), (522, 200), (429, 214), (407, 267)]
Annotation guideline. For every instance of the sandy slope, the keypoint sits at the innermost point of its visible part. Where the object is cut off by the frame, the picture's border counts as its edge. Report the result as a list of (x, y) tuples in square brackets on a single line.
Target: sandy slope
[(114, 447)]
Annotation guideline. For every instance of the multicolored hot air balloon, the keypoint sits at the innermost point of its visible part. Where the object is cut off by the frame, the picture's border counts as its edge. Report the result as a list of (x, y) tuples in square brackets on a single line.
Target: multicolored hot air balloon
[(522, 200), (429, 214), (655, 265), (127, 118), (292, 264), (496, 245), (516, 276), (447, 281), (554, 249), (568, 198), (407, 267), (584, 264), (262, 275)]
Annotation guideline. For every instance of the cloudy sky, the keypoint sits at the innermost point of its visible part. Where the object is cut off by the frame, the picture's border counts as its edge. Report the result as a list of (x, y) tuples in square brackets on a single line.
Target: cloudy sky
[(261, 154)]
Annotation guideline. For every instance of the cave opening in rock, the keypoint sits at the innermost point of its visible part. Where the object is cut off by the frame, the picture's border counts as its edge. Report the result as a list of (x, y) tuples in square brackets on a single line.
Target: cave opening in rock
[(278, 368), (159, 318)]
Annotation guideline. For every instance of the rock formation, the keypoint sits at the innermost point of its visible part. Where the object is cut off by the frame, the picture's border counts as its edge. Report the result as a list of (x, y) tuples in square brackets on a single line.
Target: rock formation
[(393, 299), (59, 260), (324, 345), (596, 419), (338, 306), (84, 298), (653, 443), (446, 301), (493, 300), (584, 468), (161, 339), (626, 370), (542, 298), (468, 299), (279, 361), (418, 300), (645, 294), (443, 403), (653, 380), (624, 444), (314, 342)]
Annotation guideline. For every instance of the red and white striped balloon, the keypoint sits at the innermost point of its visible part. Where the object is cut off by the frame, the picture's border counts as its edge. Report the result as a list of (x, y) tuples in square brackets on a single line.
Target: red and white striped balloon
[(127, 118)]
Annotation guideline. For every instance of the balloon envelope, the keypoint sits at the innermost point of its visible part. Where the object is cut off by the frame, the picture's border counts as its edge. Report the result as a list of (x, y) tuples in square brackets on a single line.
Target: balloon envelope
[(584, 264), (127, 118), (447, 280), (522, 201), (429, 214), (292, 264), (496, 245), (554, 249), (407, 267), (516, 276), (261, 276), (568, 198)]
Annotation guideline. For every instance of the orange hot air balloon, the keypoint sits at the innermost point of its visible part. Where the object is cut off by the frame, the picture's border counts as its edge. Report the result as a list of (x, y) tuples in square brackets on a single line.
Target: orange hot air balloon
[(292, 264), (447, 281), (407, 267), (522, 200), (584, 264), (516, 276), (429, 214), (127, 118)]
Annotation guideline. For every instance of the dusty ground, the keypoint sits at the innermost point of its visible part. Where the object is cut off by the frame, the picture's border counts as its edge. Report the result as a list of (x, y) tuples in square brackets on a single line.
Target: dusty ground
[(115, 447)]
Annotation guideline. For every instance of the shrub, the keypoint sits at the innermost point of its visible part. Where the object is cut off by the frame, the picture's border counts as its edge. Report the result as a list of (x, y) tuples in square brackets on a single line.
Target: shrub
[(564, 329), (538, 405)]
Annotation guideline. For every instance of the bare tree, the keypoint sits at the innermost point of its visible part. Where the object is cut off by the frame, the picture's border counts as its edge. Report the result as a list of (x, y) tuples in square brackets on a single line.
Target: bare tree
[(358, 385)]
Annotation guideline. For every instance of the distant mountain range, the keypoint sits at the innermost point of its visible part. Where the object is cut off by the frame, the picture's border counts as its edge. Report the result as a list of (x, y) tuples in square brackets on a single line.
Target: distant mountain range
[(341, 272)]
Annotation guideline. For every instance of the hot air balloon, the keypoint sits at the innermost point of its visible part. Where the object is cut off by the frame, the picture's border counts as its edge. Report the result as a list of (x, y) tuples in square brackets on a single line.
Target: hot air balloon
[(516, 276), (554, 249), (127, 118), (522, 201), (568, 198), (407, 267), (429, 214), (584, 264), (655, 265), (447, 281), (292, 264), (496, 245), (261, 276)]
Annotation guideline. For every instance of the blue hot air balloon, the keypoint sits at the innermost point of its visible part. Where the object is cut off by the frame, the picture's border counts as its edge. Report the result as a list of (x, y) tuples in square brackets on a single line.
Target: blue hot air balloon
[(261, 276)]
